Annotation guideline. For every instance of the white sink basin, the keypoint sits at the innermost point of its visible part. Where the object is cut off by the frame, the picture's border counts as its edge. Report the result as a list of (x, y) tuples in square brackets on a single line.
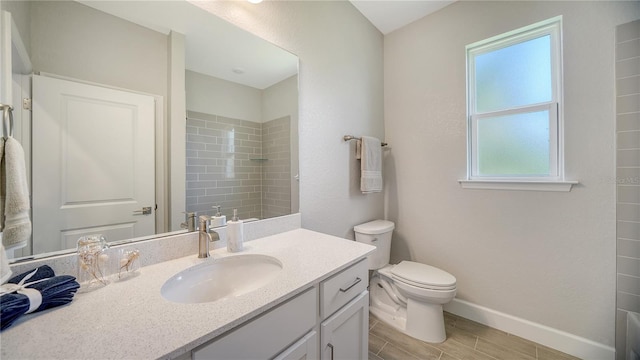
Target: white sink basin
[(221, 278)]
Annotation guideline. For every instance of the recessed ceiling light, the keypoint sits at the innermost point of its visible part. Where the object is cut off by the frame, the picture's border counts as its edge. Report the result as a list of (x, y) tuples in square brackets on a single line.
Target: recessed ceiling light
[(238, 70), (255, 1)]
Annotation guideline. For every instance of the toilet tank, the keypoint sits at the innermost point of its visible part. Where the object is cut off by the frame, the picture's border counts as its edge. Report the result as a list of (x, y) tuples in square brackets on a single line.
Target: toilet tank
[(378, 234)]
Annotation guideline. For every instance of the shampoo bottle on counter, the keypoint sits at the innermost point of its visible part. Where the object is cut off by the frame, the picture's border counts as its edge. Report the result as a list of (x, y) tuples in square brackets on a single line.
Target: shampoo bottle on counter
[(235, 233)]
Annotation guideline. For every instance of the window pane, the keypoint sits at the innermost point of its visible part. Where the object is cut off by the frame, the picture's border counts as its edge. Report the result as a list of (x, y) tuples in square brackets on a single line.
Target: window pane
[(514, 76), (516, 145)]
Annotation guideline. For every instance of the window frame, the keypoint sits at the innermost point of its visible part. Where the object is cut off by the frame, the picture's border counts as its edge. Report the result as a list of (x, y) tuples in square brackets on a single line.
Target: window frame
[(553, 28)]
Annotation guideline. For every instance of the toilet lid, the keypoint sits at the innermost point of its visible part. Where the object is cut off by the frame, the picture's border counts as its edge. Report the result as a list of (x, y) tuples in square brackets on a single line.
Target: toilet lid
[(423, 275)]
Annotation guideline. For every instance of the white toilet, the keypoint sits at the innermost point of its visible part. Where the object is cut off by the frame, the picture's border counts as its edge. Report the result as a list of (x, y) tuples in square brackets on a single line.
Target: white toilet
[(408, 296)]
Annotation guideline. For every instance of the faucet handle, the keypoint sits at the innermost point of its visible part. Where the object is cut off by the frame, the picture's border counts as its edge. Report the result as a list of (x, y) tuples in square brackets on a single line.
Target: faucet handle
[(204, 223)]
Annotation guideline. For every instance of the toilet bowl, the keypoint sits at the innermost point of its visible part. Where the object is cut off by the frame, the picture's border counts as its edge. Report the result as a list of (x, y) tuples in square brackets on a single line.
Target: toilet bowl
[(408, 296)]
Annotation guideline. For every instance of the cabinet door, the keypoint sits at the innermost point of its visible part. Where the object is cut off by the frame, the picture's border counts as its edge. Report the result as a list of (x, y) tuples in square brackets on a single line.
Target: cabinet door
[(345, 335), (304, 349)]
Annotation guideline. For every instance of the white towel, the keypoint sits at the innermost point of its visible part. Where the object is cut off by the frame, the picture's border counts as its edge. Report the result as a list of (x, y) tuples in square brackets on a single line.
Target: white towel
[(5, 270), (370, 165), (15, 223)]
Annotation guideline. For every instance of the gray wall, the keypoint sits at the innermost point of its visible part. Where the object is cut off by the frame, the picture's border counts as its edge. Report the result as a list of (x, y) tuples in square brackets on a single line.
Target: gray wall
[(628, 176), (220, 170), (541, 256)]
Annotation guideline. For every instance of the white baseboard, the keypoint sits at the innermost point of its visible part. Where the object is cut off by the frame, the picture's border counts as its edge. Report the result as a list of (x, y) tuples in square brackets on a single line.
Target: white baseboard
[(541, 334)]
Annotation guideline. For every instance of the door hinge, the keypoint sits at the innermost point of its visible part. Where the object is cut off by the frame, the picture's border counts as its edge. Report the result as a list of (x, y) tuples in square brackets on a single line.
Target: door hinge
[(26, 104)]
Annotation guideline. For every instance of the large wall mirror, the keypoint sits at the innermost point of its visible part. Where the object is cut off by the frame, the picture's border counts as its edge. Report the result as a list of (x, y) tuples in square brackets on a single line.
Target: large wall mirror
[(142, 111)]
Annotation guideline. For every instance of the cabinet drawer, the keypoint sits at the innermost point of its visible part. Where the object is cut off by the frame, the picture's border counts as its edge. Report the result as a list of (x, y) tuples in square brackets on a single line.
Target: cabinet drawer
[(268, 335), (342, 287)]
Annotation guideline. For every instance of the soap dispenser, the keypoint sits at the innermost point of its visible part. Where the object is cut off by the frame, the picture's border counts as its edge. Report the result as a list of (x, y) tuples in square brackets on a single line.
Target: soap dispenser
[(235, 233), (218, 219)]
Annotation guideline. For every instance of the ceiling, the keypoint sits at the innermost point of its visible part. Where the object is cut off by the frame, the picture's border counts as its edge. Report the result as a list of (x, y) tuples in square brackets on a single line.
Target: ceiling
[(238, 56), (389, 15)]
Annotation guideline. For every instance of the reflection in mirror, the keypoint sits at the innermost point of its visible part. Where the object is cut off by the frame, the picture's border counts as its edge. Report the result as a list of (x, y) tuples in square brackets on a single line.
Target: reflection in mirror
[(240, 136)]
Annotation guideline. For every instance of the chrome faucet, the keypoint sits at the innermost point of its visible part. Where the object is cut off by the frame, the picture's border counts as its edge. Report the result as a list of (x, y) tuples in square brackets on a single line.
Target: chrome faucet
[(190, 223), (205, 237)]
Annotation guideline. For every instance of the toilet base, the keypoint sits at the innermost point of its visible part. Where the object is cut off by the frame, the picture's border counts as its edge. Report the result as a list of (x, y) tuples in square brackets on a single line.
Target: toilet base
[(425, 321)]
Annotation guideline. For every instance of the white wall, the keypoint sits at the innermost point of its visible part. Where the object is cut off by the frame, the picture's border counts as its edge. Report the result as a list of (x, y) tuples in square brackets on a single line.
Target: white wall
[(341, 92), (542, 256)]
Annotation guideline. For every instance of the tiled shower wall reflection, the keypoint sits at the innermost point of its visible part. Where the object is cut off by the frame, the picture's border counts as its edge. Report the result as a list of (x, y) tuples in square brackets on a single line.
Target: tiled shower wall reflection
[(627, 177), (229, 164), (276, 182)]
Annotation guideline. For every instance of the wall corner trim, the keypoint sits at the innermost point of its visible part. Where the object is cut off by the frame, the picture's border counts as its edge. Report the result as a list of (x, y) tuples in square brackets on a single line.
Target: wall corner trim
[(542, 334)]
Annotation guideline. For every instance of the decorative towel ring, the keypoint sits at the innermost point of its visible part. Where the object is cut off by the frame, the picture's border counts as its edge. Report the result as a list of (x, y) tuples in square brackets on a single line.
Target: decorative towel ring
[(7, 120)]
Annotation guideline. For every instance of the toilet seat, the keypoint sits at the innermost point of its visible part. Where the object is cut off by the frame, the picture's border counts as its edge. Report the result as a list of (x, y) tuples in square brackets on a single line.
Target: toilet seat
[(423, 276)]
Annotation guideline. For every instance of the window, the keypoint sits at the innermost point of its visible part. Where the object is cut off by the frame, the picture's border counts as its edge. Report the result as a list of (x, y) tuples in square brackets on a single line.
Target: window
[(514, 92)]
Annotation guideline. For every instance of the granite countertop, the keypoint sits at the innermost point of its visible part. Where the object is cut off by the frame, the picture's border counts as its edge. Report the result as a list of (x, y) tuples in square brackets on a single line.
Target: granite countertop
[(131, 320)]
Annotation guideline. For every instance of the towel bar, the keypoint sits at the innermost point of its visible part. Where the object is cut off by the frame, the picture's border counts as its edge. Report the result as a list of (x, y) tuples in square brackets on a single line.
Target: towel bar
[(7, 120), (351, 137)]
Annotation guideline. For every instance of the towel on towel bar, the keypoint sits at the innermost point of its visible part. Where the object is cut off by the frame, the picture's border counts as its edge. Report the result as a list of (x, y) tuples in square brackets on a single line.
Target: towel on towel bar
[(15, 223), (34, 291), (370, 165)]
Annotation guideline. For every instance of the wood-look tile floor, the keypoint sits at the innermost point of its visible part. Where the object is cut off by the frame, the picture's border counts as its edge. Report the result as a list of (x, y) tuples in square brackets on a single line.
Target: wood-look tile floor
[(466, 339)]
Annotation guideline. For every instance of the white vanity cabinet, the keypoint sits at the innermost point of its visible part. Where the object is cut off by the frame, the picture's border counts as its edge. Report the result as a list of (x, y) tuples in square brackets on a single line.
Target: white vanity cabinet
[(329, 320), (268, 334), (344, 308)]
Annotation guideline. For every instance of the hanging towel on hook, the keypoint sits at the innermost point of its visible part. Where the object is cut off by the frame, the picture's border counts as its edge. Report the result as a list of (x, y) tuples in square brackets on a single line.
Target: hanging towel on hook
[(15, 223), (370, 165)]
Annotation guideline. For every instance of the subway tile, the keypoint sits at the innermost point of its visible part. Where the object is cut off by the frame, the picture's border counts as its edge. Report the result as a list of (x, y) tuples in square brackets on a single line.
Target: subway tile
[(200, 138), (210, 132), (627, 86), (628, 139), (203, 154), (628, 302), (629, 284), (628, 175), (211, 199), (628, 104), (191, 122), (628, 230), (628, 31), (628, 67), (628, 266), (628, 212), (630, 121), (195, 169), (629, 194), (628, 49), (629, 158), (195, 146), (210, 177), (628, 248)]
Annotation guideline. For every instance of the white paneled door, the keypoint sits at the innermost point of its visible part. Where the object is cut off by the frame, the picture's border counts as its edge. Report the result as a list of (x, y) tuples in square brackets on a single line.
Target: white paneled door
[(93, 163)]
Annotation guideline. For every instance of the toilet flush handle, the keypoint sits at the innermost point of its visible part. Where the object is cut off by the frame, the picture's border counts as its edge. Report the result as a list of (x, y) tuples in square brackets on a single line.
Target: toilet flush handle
[(374, 239)]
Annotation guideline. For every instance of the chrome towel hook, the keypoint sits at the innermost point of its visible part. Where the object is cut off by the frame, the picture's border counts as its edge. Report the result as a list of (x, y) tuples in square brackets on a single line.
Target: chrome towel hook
[(7, 120)]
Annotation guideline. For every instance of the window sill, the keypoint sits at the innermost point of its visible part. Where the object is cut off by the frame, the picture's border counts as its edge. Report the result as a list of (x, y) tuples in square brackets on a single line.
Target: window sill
[(527, 185)]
